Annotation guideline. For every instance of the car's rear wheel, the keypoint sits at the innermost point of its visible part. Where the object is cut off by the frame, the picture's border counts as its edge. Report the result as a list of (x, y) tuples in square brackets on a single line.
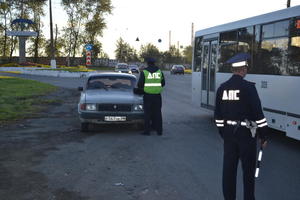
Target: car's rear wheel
[(84, 127)]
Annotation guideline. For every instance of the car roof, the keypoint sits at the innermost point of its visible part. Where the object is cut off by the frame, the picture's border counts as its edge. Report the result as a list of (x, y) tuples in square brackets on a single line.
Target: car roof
[(122, 64), (178, 66), (117, 74)]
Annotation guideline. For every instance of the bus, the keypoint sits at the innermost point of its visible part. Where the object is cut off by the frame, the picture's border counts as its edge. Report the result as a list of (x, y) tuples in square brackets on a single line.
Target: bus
[(272, 41)]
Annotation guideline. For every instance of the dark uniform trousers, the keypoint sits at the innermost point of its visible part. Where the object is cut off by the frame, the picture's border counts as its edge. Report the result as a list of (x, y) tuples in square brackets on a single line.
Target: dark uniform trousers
[(238, 145), (152, 112)]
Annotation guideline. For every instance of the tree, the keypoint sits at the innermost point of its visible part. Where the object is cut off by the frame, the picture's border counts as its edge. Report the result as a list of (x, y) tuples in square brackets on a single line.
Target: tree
[(59, 44), (37, 8), (173, 55), (8, 12), (5, 13), (87, 15), (95, 21), (124, 52), (14, 9), (75, 12), (188, 54), (149, 50)]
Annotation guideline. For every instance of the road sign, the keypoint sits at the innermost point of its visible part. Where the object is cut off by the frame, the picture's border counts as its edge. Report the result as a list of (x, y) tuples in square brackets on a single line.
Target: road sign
[(88, 58), (88, 47), (21, 33)]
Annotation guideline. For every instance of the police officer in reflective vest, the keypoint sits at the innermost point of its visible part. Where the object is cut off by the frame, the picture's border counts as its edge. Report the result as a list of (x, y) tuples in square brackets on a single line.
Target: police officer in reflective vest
[(152, 82), (238, 116)]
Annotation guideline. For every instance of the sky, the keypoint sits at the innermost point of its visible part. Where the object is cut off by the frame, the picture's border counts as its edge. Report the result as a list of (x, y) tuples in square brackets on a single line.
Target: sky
[(150, 20)]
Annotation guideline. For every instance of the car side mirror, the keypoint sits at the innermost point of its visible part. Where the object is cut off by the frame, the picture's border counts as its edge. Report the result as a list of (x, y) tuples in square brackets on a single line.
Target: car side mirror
[(80, 89)]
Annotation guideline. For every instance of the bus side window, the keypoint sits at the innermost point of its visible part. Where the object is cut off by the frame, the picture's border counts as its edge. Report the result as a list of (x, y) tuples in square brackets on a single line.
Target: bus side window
[(294, 48), (197, 54)]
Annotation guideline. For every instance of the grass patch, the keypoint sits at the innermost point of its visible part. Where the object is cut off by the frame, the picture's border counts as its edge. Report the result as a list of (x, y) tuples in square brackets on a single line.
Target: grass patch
[(20, 98), (2, 77), (11, 72)]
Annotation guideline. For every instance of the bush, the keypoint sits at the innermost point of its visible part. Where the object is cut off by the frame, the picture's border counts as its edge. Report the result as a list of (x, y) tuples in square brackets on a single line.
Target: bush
[(28, 64)]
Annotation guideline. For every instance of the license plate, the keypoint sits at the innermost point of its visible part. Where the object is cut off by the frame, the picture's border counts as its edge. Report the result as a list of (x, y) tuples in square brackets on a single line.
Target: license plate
[(115, 118)]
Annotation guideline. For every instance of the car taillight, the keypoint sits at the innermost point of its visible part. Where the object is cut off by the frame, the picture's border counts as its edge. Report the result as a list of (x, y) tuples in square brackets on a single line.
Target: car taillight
[(83, 106)]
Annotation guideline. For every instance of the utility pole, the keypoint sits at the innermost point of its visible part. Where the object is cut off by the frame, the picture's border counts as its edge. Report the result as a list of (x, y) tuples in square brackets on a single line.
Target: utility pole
[(192, 39), (53, 61), (169, 40), (288, 4), (55, 40), (22, 39)]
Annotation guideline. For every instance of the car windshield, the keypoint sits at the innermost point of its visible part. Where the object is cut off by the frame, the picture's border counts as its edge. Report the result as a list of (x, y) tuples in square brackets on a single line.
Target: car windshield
[(178, 67), (111, 82), (133, 66), (122, 67)]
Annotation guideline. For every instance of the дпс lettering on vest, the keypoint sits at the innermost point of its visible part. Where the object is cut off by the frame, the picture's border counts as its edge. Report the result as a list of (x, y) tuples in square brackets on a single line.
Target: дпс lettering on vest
[(231, 95), (154, 76)]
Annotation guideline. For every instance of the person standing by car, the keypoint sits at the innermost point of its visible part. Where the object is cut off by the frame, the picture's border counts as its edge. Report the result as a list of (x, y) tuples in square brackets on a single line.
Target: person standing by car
[(238, 114), (152, 81)]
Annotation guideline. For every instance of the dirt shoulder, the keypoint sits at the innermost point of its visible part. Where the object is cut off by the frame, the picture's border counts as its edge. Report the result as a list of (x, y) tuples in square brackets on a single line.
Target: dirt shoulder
[(24, 144)]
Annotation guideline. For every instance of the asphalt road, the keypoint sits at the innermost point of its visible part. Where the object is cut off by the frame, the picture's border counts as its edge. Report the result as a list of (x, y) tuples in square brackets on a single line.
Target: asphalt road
[(46, 157)]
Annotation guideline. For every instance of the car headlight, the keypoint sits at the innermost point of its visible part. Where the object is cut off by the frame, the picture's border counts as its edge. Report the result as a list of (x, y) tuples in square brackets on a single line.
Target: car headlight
[(138, 107), (91, 107)]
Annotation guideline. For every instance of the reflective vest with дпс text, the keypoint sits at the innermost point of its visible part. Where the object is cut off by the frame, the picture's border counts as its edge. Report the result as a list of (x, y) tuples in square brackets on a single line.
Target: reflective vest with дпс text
[(153, 82)]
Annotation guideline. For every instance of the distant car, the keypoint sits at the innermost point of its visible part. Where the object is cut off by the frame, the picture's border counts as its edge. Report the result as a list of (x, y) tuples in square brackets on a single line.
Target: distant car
[(108, 98), (134, 68), (122, 67), (177, 69)]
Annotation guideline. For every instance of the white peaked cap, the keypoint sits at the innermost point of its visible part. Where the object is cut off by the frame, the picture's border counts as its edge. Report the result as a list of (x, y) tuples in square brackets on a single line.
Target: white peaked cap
[(239, 64)]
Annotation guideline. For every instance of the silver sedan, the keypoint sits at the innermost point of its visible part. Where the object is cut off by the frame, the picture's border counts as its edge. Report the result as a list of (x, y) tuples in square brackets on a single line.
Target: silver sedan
[(109, 98)]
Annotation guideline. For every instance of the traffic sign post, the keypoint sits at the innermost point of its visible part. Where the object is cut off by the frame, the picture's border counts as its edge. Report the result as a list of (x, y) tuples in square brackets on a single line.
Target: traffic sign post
[(88, 58), (88, 48)]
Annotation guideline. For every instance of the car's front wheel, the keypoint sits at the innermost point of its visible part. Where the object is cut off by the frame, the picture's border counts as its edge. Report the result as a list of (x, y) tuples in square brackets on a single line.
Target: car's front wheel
[(84, 127)]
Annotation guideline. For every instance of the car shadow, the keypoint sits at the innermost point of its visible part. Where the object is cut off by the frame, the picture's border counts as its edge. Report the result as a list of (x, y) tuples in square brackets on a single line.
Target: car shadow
[(128, 129)]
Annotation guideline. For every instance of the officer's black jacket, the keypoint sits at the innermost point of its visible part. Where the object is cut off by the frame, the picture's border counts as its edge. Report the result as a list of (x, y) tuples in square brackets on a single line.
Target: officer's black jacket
[(151, 69), (247, 105)]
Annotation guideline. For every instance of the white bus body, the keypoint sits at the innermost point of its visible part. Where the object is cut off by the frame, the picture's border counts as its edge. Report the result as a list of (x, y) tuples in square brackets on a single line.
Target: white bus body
[(275, 64)]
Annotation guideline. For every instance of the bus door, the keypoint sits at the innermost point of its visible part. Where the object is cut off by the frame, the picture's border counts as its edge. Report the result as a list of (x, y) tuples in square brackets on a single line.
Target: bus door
[(209, 64)]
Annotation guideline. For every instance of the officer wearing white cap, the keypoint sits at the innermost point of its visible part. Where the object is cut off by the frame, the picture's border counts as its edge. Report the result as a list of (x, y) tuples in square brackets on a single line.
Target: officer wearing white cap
[(152, 81), (238, 113)]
